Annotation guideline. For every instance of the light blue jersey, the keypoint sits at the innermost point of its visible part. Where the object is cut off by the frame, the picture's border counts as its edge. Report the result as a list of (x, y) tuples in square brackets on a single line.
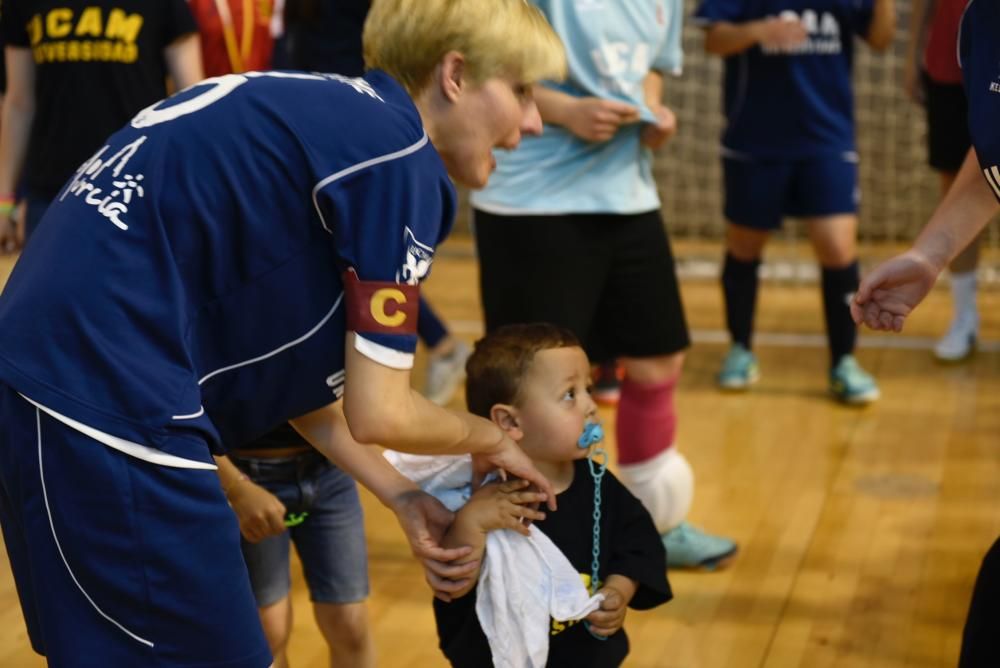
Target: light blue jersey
[(610, 45)]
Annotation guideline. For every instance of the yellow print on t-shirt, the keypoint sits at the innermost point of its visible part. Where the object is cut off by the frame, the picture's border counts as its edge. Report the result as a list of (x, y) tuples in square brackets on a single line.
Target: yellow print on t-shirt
[(557, 626), (92, 34)]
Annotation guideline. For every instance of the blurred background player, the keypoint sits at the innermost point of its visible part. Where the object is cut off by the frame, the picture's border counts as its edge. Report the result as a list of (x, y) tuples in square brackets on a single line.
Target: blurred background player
[(569, 231), (934, 79), (76, 72), (789, 150), (235, 35)]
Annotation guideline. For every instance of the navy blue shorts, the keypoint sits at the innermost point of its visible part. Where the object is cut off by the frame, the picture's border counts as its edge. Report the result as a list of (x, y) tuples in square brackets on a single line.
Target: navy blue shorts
[(330, 540), (760, 193), (119, 561)]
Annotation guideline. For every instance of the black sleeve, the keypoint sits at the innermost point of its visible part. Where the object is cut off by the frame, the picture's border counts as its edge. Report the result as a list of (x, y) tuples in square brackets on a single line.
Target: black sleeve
[(637, 551), (13, 24), (179, 21), (460, 636)]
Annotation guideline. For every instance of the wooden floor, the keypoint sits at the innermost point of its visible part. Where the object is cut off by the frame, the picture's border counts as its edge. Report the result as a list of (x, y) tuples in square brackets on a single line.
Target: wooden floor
[(860, 530)]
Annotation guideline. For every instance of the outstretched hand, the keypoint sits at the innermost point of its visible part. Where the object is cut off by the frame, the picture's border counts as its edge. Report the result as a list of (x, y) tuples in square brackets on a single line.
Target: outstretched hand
[(424, 521), (892, 290)]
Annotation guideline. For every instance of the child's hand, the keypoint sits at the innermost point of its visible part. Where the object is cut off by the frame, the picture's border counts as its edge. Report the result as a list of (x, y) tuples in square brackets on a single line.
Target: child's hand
[(503, 505), (259, 512), (611, 616)]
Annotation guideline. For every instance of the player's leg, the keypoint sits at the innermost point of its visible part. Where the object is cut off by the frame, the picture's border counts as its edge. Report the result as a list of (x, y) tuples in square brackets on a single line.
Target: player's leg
[(755, 192), (347, 632), (277, 619), (641, 319), (947, 143), (267, 561), (122, 562), (331, 544), (826, 196)]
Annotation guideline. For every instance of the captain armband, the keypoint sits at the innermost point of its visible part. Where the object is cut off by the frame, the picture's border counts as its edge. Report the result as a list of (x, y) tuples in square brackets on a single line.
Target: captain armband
[(380, 307)]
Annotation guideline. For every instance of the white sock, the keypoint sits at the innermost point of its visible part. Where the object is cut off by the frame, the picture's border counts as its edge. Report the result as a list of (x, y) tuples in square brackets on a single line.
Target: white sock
[(963, 295), (664, 485)]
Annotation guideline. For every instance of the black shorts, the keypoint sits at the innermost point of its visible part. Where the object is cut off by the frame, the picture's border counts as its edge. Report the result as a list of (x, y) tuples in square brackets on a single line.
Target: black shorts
[(607, 278), (947, 125)]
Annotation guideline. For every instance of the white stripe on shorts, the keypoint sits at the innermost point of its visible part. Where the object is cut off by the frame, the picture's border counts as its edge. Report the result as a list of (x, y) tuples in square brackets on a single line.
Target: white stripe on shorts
[(137, 450), (48, 510)]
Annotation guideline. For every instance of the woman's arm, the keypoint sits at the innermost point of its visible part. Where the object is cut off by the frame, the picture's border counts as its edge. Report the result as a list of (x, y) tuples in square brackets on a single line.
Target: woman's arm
[(423, 519), (381, 407), (892, 290)]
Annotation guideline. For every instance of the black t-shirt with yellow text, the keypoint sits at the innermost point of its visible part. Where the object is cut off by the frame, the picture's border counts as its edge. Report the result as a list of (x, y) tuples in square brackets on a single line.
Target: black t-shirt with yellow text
[(97, 63), (629, 546)]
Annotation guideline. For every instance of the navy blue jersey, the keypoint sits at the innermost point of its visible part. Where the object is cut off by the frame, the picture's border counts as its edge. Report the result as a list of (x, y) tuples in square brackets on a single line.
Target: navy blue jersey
[(189, 276), (979, 55), (795, 103)]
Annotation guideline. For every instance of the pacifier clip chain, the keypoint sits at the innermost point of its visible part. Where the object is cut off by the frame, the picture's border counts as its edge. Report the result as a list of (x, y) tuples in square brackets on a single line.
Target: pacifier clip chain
[(597, 461)]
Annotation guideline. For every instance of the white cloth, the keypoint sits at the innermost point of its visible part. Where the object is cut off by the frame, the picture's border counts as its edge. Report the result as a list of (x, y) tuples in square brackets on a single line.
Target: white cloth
[(523, 581)]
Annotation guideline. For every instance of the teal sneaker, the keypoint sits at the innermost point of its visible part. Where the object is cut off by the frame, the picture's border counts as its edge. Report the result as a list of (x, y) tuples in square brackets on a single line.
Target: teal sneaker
[(851, 384), (690, 547), (739, 369)]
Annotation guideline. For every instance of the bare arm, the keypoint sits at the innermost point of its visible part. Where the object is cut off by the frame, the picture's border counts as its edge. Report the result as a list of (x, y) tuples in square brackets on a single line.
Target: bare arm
[(423, 519), (15, 130), (920, 10), (963, 213), (380, 407), (883, 25), (892, 290), (725, 39), (183, 58)]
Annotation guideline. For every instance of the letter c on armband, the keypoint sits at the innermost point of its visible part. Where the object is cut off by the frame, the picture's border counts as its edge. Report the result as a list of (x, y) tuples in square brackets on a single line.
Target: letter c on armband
[(380, 307)]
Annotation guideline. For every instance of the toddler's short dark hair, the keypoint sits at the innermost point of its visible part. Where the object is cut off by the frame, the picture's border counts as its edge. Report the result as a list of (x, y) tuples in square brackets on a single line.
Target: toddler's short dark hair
[(498, 363)]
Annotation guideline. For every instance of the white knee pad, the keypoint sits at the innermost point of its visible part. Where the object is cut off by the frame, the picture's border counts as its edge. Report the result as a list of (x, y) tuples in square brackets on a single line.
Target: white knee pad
[(664, 484)]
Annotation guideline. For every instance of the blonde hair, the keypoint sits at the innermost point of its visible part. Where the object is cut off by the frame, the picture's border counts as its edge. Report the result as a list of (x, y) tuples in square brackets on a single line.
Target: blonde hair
[(408, 38)]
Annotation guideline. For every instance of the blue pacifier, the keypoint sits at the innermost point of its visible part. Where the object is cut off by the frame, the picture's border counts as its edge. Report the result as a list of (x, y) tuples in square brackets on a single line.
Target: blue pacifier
[(593, 433)]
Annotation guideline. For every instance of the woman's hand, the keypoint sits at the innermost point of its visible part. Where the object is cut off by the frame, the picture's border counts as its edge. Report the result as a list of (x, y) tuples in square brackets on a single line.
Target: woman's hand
[(424, 521), (892, 290)]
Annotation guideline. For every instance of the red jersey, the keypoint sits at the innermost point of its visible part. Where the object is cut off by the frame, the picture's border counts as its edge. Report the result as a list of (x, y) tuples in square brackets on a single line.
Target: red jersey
[(941, 52), (235, 34)]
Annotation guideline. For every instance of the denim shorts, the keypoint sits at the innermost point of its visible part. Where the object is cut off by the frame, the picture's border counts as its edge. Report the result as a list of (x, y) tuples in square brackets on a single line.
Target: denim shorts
[(330, 540)]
